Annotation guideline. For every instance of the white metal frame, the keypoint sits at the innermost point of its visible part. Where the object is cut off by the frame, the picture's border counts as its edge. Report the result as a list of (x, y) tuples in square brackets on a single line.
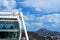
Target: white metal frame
[(19, 16)]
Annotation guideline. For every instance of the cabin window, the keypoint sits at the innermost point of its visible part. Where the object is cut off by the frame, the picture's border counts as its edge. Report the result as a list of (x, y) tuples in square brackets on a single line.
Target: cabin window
[(9, 30)]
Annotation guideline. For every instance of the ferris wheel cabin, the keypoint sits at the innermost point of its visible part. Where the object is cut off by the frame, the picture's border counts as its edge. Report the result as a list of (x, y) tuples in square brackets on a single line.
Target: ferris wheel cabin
[(11, 26)]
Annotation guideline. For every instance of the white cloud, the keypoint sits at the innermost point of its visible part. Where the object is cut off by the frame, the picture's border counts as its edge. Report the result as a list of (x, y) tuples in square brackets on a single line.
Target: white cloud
[(0, 2), (52, 20), (43, 5), (8, 4), (29, 17)]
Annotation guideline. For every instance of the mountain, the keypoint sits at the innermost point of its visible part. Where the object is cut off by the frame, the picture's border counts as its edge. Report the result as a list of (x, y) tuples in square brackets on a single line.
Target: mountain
[(46, 32), (42, 34)]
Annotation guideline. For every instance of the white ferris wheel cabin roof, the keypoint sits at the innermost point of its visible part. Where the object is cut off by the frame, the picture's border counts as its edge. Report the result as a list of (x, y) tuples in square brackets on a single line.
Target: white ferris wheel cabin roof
[(10, 14)]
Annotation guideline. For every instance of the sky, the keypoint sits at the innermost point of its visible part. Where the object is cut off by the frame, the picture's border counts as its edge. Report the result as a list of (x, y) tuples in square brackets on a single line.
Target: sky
[(37, 13)]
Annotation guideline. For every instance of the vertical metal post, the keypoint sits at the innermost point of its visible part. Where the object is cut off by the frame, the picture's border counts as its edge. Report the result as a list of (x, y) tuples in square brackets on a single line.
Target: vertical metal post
[(20, 27), (23, 23)]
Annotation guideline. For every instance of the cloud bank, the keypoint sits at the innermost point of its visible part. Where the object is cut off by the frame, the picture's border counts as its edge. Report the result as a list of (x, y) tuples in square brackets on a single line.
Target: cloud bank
[(43, 5), (52, 20), (7, 5)]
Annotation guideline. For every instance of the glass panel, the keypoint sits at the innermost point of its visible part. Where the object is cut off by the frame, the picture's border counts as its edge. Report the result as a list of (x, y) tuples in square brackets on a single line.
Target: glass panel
[(9, 30), (9, 25)]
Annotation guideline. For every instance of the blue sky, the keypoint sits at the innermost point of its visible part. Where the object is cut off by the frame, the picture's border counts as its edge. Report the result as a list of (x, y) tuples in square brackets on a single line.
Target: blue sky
[(37, 13)]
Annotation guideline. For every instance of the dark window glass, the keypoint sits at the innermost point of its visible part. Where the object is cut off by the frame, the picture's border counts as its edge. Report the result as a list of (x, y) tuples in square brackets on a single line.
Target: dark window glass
[(9, 30)]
